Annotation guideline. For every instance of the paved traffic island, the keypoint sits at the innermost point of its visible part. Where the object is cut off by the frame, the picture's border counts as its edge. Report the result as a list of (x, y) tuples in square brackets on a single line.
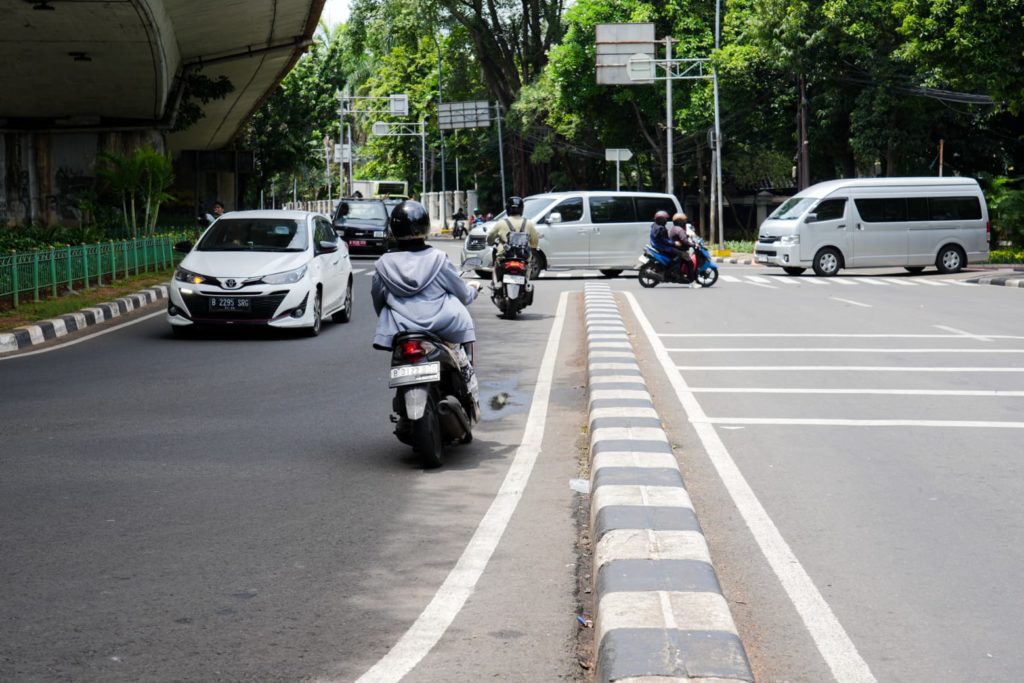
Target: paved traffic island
[(46, 330), (660, 609)]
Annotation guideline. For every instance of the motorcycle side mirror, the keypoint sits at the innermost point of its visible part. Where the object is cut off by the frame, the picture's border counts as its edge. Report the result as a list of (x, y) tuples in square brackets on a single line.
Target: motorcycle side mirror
[(472, 263), (183, 247)]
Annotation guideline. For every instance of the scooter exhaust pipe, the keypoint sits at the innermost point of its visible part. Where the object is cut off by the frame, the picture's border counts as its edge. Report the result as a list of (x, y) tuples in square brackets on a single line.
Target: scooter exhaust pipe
[(454, 421)]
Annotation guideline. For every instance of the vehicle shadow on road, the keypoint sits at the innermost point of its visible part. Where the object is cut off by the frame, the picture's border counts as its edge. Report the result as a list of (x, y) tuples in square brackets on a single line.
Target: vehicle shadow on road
[(462, 457)]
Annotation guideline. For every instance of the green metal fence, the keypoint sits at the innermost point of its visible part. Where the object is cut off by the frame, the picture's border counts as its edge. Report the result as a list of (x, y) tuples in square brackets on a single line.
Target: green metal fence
[(31, 276)]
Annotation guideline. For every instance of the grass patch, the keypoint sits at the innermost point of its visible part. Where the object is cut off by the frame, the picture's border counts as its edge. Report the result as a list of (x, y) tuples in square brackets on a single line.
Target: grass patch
[(70, 302)]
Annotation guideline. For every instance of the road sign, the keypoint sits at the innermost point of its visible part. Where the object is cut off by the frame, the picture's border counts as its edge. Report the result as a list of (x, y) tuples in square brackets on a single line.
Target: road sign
[(618, 154), (616, 43), (455, 115), (398, 105)]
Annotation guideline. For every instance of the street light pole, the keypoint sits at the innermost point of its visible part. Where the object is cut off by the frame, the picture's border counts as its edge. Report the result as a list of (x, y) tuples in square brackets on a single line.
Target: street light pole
[(440, 101), (668, 118)]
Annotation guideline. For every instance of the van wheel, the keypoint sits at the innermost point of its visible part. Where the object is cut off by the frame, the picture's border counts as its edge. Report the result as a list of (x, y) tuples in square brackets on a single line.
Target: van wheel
[(827, 262), (611, 272), (951, 260), (793, 270), (914, 269)]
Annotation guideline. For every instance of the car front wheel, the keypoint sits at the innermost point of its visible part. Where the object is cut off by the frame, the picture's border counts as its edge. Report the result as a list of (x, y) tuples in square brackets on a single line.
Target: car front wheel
[(314, 330)]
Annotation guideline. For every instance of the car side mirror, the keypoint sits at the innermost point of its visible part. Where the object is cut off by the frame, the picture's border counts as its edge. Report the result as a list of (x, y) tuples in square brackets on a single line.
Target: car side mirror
[(554, 218), (326, 247), (811, 218), (183, 247)]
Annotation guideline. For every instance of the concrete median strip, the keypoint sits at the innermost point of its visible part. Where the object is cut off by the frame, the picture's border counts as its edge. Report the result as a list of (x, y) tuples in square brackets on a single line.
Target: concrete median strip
[(661, 614), (46, 330)]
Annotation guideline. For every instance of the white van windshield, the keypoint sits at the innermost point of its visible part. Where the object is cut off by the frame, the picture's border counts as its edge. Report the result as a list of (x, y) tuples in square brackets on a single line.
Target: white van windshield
[(792, 208)]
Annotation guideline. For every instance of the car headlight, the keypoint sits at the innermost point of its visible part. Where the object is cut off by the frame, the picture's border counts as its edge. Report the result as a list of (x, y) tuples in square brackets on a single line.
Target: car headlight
[(182, 275), (790, 239), (286, 278)]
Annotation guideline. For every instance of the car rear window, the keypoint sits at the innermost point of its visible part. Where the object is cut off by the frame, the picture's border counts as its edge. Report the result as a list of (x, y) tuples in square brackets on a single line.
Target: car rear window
[(613, 210)]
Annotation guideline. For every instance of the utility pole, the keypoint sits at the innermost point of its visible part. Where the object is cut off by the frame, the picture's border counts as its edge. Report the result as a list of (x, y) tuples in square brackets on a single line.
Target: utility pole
[(804, 166), (668, 118)]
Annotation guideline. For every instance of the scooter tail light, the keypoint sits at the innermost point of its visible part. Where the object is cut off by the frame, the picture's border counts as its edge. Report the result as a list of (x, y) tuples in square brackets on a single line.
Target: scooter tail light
[(517, 266), (414, 350)]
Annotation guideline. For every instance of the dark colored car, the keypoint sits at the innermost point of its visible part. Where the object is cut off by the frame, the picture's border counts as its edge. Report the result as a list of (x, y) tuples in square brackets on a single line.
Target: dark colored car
[(363, 224)]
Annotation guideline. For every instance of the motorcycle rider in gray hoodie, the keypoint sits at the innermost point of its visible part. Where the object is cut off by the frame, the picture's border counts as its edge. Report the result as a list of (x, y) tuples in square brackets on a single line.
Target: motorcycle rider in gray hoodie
[(416, 288)]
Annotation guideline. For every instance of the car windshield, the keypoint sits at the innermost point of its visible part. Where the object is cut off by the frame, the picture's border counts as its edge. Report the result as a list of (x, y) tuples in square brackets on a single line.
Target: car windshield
[(792, 208), (255, 234), (366, 211)]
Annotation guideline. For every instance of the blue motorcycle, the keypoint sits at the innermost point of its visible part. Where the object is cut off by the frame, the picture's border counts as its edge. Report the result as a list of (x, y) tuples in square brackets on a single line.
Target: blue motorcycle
[(654, 267)]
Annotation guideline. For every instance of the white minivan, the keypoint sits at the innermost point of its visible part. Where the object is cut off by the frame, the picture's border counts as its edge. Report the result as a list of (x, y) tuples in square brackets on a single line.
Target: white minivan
[(604, 231), (873, 222)]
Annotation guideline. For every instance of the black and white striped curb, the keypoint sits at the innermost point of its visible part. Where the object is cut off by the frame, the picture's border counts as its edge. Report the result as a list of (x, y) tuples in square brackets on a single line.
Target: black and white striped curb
[(46, 330), (660, 610), (736, 261), (1015, 281)]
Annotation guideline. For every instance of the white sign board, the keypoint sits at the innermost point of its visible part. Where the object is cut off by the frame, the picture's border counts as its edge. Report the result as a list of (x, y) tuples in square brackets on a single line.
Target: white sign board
[(398, 105), (616, 43), (618, 154), (464, 115)]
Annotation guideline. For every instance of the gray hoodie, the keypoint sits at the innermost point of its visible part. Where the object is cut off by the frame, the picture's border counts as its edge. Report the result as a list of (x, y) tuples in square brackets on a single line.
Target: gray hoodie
[(421, 291)]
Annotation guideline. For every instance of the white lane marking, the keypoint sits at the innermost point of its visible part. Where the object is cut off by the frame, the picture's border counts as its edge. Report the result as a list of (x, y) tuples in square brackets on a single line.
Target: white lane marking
[(839, 368), (933, 283), (825, 422), (428, 628), (840, 281), (87, 337), (357, 271), (975, 337), (832, 641), (816, 281), (758, 284), (758, 278), (962, 283), (794, 335), (993, 393), (851, 302), (872, 281), (784, 279), (830, 349), (731, 278), (898, 281)]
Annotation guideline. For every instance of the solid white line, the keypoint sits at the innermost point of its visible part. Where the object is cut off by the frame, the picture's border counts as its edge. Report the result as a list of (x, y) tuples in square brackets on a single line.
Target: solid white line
[(825, 422), (831, 640), (64, 345), (963, 334), (832, 349), (872, 392), (852, 303), (428, 628), (841, 368), (959, 335)]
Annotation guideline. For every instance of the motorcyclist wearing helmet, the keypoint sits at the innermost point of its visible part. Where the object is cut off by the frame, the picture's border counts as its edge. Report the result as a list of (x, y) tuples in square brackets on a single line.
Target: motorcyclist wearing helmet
[(416, 288), (513, 222), (682, 233)]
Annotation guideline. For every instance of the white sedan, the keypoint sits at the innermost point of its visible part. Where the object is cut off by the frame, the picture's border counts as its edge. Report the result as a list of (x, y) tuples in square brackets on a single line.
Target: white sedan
[(285, 269)]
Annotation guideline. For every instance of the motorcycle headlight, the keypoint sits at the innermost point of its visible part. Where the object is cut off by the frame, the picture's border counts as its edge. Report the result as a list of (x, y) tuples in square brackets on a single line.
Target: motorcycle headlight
[(182, 275), (287, 278), (790, 239)]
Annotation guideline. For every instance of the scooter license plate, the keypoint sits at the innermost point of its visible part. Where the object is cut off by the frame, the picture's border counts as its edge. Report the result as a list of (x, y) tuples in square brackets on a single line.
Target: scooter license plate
[(761, 258), (515, 279), (420, 373), (645, 259)]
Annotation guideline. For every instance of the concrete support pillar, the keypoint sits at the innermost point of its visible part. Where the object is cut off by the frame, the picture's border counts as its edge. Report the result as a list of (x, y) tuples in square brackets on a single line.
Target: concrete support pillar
[(762, 200), (472, 201)]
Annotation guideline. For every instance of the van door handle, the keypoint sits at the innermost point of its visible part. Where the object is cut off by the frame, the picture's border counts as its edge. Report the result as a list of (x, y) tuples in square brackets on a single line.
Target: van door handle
[(841, 227), (860, 227)]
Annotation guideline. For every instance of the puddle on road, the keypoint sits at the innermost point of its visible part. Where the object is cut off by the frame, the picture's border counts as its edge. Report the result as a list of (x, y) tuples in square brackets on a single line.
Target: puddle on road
[(501, 398)]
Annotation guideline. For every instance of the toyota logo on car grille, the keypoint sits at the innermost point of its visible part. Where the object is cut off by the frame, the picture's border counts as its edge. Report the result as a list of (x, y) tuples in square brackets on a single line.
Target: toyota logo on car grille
[(230, 284)]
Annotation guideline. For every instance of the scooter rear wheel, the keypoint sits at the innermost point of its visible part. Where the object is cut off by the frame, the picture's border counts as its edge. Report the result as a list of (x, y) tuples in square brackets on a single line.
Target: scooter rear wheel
[(510, 309), (426, 436), (647, 277)]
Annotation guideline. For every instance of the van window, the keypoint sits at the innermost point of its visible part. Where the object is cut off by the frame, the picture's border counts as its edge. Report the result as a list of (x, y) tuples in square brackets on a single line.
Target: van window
[(882, 210), (954, 208), (917, 209), (646, 207), (612, 210), (831, 209), (570, 209)]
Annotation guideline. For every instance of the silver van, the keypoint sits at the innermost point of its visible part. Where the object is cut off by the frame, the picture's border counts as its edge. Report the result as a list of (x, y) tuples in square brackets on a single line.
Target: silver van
[(603, 231), (873, 222)]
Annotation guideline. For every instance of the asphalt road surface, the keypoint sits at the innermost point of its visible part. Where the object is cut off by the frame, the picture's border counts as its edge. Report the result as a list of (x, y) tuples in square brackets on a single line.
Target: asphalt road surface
[(235, 507)]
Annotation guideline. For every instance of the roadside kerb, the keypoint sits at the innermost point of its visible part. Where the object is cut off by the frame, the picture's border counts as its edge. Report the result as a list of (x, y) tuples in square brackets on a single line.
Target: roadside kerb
[(44, 331), (1000, 281), (660, 612)]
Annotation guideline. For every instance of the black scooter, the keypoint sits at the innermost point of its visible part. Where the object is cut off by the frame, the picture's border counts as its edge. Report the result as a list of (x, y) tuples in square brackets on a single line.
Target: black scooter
[(513, 291)]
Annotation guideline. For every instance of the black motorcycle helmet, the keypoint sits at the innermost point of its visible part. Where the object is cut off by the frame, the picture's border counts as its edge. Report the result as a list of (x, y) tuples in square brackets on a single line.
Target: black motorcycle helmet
[(661, 218), (514, 206), (410, 221)]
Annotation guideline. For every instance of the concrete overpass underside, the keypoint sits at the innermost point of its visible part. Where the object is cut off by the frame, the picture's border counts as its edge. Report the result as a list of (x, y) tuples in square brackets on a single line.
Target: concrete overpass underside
[(78, 77)]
